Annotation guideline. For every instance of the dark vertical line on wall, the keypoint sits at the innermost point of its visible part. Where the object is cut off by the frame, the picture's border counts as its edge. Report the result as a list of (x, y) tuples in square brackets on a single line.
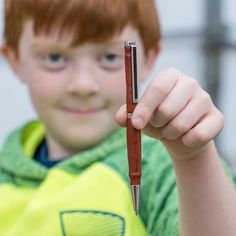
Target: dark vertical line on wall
[(215, 36), (213, 46)]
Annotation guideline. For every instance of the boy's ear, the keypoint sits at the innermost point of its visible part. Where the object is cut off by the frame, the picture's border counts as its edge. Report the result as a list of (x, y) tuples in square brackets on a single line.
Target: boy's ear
[(152, 56), (10, 57)]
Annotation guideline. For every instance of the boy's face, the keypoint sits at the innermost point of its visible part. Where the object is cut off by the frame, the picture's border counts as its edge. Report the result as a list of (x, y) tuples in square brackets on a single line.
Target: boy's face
[(76, 91)]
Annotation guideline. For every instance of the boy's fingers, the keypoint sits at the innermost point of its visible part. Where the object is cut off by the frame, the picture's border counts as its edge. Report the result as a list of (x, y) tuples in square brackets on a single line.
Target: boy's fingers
[(121, 116), (175, 102), (187, 118), (209, 127), (156, 92), (154, 133)]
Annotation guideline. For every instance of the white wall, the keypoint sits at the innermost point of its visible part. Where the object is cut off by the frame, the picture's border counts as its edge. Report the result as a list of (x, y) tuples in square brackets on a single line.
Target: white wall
[(181, 14), (230, 17), (228, 106), (1, 25), (14, 103), (187, 56), (228, 87)]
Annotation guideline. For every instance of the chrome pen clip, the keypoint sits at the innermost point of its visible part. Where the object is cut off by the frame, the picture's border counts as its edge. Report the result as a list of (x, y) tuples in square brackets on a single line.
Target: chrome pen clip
[(132, 45)]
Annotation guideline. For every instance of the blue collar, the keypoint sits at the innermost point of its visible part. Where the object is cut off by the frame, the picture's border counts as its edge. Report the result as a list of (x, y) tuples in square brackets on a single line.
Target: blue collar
[(41, 156)]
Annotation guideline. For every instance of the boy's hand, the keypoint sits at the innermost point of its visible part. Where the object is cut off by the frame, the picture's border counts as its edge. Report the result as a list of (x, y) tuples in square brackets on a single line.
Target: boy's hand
[(176, 110)]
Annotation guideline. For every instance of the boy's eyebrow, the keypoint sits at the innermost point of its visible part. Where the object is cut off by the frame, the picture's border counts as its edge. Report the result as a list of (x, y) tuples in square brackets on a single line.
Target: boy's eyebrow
[(114, 43), (57, 47), (49, 46)]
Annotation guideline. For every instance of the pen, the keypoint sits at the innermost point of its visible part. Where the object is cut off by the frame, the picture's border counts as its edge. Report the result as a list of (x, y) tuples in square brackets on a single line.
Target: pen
[(133, 135)]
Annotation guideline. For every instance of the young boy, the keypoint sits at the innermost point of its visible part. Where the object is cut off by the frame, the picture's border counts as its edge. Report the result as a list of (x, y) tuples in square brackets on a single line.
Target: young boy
[(66, 174)]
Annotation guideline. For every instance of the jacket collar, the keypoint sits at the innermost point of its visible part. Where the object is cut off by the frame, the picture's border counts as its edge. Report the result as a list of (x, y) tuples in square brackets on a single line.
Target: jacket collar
[(19, 148)]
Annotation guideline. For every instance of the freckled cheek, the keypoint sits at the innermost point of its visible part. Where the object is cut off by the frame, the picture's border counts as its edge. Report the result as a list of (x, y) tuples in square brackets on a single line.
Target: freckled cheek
[(43, 91)]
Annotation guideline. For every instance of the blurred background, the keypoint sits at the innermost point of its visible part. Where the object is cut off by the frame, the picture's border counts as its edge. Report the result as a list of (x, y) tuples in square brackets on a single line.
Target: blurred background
[(199, 38)]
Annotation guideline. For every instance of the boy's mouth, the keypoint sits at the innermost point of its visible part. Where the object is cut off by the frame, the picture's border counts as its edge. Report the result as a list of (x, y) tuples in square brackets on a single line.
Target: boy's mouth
[(83, 112)]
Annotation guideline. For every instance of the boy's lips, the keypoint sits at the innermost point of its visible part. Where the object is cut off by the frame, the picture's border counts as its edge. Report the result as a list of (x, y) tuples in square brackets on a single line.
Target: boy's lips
[(83, 112)]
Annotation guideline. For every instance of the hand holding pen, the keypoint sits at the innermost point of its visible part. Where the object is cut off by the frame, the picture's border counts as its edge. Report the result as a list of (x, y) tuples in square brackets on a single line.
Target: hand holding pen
[(175, 110), (133, 134)]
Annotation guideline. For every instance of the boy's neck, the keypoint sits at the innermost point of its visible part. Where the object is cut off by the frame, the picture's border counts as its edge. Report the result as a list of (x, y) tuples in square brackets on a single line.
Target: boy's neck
[(56, 152)]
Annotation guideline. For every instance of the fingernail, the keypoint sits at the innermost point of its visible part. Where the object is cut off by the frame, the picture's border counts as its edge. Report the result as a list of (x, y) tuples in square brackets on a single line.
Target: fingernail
[(138, 122)]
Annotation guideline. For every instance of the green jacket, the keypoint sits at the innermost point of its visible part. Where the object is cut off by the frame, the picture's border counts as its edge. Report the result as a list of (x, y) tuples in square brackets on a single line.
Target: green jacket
[(87, 194)]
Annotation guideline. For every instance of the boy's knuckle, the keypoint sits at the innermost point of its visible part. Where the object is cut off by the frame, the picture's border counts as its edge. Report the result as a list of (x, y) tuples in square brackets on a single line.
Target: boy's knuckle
[(180, 126), (159, 89), (221, 118), (201, 135), (192, 83), (172, 71), (206, 99), (165, 112), (143, 112)]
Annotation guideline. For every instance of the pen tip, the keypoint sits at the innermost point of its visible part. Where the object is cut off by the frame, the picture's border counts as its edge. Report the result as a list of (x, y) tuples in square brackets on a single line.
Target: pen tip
[(135, 195)]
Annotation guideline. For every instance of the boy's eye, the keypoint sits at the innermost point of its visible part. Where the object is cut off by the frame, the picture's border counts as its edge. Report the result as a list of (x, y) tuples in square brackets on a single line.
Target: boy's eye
[(111, 61), (54, 57), (54, 61), (110, 58)]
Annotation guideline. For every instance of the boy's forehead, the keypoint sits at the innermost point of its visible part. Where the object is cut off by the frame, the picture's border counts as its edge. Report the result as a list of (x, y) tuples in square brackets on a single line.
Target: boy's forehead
[(44, 37), (57, 38)]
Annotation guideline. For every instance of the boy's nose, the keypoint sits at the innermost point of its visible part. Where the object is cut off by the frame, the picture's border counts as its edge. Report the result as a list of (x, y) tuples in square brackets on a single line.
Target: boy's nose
[(83, 82)]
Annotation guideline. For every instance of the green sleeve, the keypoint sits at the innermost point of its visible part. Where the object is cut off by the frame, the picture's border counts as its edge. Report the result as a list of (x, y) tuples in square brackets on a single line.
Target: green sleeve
[(159, 197), (4, 177), (159, 193)]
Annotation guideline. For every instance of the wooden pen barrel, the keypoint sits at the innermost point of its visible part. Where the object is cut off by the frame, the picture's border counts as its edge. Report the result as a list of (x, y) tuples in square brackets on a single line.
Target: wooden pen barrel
[(133, 135), (134, 153)]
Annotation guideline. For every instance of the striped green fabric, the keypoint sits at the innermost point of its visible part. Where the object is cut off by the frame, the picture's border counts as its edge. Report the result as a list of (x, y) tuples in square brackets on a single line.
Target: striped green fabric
[(158, 203)]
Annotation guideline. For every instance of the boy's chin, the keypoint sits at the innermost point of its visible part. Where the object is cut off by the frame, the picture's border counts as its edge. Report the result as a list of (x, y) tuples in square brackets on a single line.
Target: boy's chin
[(80, 140)]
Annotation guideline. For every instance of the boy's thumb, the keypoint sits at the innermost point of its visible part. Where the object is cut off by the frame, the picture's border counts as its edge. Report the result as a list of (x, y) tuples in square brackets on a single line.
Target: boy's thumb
[(121, 116)]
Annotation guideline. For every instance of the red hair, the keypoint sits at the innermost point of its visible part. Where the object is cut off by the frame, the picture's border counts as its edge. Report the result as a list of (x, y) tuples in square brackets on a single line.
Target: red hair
[(89, 20)]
